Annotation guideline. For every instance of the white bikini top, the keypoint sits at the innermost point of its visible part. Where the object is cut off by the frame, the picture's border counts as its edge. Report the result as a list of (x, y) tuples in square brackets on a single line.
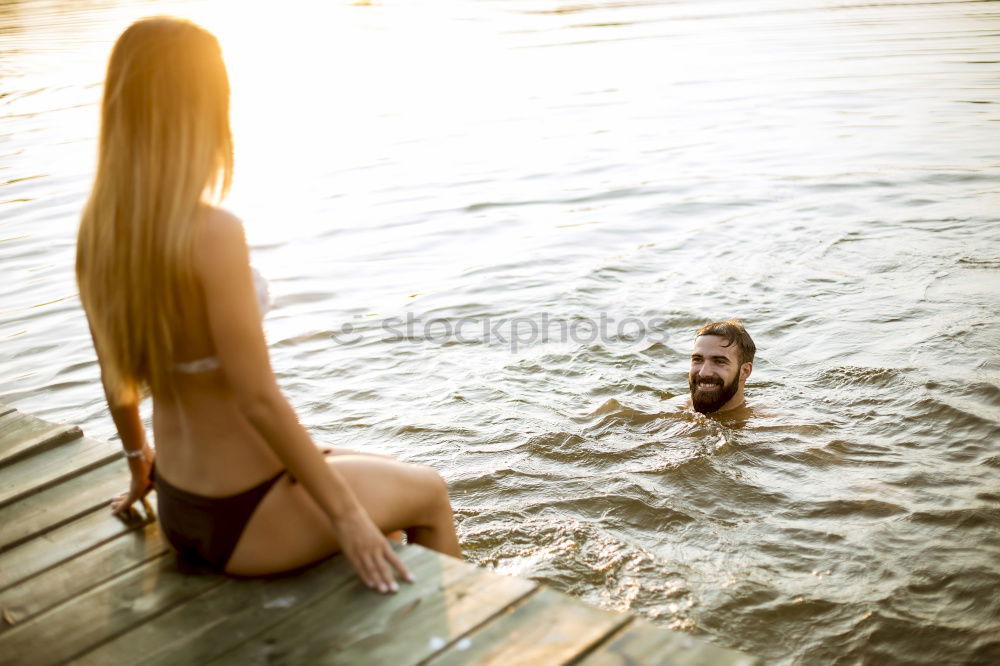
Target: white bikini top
[(212, 362)]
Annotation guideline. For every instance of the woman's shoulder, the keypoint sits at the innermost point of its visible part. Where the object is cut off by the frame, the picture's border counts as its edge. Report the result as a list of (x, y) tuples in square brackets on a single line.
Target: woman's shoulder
[(219, 224), (218, 235)]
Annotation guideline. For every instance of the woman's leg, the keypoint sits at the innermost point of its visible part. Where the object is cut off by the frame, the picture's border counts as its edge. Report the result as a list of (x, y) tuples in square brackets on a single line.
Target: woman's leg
[(329, 451), (289, 530)]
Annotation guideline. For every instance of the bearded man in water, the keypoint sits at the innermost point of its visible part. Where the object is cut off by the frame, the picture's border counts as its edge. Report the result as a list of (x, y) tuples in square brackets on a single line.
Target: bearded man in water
[(721, 361)]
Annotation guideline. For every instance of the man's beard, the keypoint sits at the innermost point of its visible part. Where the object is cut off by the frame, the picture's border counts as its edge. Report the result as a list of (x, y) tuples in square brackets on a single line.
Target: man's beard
[(710, 401)]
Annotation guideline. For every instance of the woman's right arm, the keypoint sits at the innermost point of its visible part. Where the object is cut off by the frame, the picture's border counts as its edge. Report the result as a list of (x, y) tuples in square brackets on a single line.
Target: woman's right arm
[(222, 263)]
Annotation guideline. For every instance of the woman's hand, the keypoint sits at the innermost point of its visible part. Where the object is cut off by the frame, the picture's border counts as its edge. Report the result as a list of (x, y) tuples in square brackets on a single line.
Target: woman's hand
[(369, 552), (140, 486)]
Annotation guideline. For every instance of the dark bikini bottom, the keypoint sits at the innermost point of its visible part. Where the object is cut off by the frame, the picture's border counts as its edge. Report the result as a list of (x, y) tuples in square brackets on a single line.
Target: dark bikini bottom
[(205, 530)]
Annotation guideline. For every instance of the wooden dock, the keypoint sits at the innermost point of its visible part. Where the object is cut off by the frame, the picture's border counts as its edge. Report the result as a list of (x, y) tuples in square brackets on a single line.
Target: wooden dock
[(79, 585)]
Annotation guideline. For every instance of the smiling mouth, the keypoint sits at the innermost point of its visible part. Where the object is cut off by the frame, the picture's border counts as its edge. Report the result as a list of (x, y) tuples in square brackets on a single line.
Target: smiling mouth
[(705, 386)]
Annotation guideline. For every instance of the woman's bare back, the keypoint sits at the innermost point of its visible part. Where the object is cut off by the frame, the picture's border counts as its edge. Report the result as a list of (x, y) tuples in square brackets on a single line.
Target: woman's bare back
[(204, 443)]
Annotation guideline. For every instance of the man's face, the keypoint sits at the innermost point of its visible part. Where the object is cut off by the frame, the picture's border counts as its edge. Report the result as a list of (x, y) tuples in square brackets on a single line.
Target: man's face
[(715, 373)]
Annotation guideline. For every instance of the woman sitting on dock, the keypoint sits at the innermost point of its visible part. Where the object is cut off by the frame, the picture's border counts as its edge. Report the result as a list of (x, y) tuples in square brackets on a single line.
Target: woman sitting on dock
[(175, 310)]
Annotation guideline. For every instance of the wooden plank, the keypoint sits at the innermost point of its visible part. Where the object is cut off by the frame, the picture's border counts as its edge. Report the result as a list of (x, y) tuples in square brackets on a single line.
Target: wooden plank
[(644, 643), (46, 469), (23, 435), (222, 618), (547, 628), (45, 510), (353, 625), (86, 621), (61, 545), (30, 597)]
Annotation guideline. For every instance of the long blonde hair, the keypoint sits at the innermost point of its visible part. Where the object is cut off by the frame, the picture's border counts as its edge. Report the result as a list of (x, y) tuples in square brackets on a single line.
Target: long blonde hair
[(165, 150)]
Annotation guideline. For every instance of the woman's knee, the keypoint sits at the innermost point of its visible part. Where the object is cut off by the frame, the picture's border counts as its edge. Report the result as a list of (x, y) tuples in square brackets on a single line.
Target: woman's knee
[(434, 485)]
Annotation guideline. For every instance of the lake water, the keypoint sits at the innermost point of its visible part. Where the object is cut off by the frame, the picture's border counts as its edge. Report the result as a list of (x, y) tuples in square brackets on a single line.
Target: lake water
[(429, 185)]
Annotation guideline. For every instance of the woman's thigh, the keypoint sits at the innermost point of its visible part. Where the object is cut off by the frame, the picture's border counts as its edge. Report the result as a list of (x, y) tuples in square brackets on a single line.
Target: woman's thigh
[(289, 530), (330, 451)]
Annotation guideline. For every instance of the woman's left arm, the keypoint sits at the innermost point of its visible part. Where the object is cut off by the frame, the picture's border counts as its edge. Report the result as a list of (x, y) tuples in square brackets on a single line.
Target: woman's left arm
[(138, 453)]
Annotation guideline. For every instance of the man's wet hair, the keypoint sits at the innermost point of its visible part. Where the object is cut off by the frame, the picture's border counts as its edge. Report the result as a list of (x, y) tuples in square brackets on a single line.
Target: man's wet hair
[(732, 330)]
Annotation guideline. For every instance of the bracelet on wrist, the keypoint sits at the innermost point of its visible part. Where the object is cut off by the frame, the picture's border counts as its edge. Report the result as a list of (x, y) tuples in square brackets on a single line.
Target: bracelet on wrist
[(134, 454)]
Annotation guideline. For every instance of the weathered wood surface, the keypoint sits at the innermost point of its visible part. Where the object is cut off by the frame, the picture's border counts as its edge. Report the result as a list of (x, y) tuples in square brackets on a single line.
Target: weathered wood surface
[(43, 511), (644, 643), (94, 567), (83, 622), (60, 545), (447, 599), (22, 435), (548, 628), (48, 468), (78, 585), (221, 619)]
